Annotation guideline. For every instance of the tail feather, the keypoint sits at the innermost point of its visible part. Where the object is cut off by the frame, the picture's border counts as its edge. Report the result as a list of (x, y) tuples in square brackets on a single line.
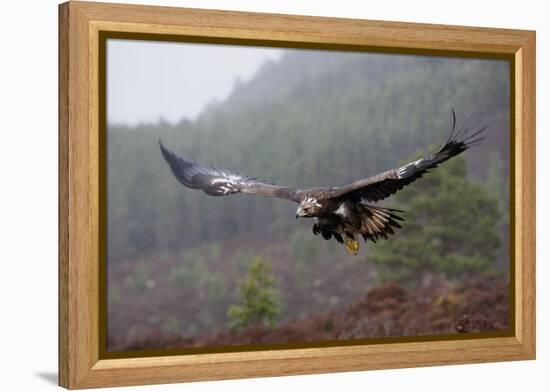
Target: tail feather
[(378, 222)]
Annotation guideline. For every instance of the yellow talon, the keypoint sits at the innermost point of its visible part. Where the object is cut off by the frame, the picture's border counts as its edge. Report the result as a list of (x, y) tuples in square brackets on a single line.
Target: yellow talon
[(352, 245)]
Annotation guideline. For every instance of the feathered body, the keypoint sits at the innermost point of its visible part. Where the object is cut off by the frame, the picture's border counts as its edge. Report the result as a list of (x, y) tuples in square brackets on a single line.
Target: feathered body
[(343, 213)]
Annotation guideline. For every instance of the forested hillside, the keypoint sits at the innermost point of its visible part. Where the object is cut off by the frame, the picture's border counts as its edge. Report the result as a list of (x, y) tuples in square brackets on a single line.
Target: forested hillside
[(308, 119), (301, 122)]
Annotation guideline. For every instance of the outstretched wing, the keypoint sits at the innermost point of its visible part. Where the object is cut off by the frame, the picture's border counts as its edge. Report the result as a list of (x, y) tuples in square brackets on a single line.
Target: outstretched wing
[(383, 185), (216, 181)]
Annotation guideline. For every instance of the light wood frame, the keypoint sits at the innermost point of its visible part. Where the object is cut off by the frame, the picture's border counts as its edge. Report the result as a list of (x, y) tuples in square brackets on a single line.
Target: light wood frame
[(80, 23)]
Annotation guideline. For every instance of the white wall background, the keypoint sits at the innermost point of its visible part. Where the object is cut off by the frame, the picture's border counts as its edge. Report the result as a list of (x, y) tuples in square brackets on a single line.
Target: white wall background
[(28, 193)]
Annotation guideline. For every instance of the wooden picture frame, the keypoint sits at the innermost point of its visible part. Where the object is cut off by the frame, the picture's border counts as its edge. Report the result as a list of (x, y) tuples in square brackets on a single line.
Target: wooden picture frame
[(81, 161)]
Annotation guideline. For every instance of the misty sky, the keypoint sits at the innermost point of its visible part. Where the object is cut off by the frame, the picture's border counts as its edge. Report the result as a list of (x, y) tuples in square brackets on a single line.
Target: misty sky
[(147, 81)]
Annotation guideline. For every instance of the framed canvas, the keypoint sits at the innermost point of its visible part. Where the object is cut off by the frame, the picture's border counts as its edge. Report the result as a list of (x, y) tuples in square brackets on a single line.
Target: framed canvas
[(179, 258)]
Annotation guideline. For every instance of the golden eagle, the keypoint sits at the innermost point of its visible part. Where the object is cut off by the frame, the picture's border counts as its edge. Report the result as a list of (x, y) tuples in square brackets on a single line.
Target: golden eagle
[(340, 212)]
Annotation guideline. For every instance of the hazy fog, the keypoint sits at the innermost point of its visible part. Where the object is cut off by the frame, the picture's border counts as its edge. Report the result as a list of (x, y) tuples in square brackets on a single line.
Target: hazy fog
[(147, 81)]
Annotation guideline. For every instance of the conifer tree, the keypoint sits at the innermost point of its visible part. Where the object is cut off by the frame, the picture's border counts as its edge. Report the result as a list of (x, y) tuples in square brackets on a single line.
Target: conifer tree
[(259, 303), (449, 228)]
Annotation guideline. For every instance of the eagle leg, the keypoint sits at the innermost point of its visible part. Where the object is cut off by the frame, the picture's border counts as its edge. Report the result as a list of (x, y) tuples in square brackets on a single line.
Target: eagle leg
[(326, 235), (316, 229), (352, 245)]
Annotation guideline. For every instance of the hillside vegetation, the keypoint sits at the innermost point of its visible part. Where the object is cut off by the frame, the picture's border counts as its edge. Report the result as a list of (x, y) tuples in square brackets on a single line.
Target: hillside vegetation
[(175, 255)]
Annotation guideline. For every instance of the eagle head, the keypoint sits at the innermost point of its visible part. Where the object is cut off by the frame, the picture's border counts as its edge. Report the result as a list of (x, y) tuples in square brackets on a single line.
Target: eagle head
[(309, 207)]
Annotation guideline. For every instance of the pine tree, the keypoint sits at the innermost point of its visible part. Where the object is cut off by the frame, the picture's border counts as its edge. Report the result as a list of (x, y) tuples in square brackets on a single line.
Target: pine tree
[(259, 302), (497, 182), (450, 228)]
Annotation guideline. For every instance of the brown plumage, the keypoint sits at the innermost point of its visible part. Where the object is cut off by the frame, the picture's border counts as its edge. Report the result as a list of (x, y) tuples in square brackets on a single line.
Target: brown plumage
[(342, 212)]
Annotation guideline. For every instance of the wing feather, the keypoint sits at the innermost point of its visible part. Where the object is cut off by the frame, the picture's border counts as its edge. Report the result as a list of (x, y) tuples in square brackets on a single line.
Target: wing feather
[(216, 181), (385, 184)]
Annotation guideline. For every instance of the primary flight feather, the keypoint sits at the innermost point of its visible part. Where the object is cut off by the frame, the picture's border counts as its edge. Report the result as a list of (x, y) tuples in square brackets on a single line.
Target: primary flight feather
[(342, 213)]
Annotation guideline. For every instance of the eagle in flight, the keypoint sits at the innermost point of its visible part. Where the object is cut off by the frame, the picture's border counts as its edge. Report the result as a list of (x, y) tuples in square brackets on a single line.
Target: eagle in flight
[(343, 213)]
